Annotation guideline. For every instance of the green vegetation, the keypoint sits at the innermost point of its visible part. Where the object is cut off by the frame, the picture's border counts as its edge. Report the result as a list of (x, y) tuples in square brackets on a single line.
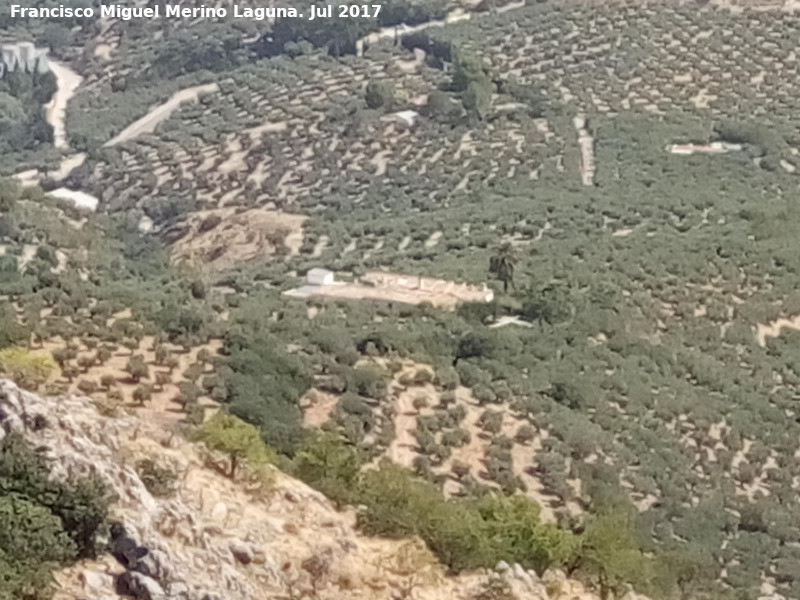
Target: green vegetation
[(635, 301), (463, 534), (24, 131), (239, 441), (44, 524), (479, 532), (158, 480), (25, 369)]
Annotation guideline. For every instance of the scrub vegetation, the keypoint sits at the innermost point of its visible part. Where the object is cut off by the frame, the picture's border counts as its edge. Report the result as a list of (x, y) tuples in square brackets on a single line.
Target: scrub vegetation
[(623, 409)]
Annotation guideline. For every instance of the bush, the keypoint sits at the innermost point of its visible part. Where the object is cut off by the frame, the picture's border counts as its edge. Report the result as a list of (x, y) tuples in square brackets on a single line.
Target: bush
[(483, 394), (263, 386), (44, 523), (238, 440), (463, 534), (422, 376), (329, 466), (609, 551), (447, 378), (26, 369), (380, 94), (369, 381), (159, 481)]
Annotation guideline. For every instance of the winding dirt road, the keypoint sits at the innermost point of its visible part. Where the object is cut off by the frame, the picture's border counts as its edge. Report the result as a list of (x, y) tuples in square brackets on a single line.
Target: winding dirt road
[(162, 112), (68, 82)]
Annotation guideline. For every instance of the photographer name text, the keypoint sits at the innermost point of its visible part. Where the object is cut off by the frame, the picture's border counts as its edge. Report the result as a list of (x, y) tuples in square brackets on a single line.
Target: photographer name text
[(176, 11)]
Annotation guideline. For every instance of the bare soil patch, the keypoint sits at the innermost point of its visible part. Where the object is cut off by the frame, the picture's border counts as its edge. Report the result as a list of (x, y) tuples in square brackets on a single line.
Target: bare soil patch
[(773, 329), (238, 238)]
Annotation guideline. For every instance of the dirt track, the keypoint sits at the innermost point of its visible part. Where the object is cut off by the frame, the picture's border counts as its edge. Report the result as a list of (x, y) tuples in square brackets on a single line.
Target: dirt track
[(162, 112), (68, 82)]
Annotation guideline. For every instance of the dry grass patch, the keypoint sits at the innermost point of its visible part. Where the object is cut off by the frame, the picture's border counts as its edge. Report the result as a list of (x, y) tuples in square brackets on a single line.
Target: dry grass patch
[(222, 239)]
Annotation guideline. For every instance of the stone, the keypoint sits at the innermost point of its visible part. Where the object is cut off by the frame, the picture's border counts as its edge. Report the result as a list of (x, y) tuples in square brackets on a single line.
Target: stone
[(552, 576), (96, 581), (179, 591), (259, 556), (502, 566), (141, 587), (242, 551), (522, 575), (219, 512)]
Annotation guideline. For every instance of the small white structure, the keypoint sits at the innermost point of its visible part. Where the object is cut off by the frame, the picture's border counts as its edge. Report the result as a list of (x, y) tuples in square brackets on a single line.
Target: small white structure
[(320, 277), (712, 148), (79, 199), (408, 118), (145, 224)]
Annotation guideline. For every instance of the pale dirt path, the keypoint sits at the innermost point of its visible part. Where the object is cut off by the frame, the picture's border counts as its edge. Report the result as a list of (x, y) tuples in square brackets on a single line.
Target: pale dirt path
[(68, 82), (317, 407), (162, 112), (56, 114), (403, 448), (586, 143), (452, 17), (773, 329)]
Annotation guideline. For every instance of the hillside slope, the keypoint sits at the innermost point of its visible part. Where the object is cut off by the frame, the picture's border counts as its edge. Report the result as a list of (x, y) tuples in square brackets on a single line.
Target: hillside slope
[(218, 539)]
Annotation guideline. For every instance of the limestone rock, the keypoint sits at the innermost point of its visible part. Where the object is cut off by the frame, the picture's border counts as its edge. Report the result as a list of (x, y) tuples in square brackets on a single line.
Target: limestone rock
[(242, 551), (95, 581), (553, 576), (139, 586)]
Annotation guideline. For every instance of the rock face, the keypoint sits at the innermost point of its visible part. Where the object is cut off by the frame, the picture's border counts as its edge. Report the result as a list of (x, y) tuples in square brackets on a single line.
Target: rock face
[(216, 539)]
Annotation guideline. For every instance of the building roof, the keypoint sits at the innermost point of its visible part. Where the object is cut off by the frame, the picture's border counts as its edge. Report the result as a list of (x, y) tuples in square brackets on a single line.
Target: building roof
[(80, 199), (408, 117)]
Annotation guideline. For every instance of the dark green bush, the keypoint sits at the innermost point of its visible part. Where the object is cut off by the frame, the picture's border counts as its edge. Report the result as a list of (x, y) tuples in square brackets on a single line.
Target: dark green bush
[(44, 524)]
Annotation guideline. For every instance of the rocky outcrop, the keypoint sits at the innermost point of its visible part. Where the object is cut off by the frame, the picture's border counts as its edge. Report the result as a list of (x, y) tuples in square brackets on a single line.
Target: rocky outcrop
[(216, 539)]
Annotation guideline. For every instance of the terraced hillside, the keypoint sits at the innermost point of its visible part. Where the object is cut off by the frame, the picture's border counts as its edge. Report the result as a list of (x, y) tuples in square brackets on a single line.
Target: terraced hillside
[(640, 353)]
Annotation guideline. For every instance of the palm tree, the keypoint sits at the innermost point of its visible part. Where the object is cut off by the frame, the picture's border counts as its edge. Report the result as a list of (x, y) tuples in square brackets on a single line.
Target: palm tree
[(502, 263)]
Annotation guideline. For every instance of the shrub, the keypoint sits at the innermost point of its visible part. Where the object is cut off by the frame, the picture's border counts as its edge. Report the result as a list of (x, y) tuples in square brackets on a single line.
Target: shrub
[(325, 463), (26, 369), (491, 421), (483, 394), (456, 438), (380, 94), (369, 380), (447, 378), (420, 402), (354, 405), (159, 481), (423, 376), (44, 523), (608, 551), (137, 368), (525, 434), (87, 386), (238, 440), (463, 534)]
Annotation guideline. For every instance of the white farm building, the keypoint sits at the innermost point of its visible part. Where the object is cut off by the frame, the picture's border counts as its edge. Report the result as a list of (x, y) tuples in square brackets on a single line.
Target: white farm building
[(407, 118), (320, 277)]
